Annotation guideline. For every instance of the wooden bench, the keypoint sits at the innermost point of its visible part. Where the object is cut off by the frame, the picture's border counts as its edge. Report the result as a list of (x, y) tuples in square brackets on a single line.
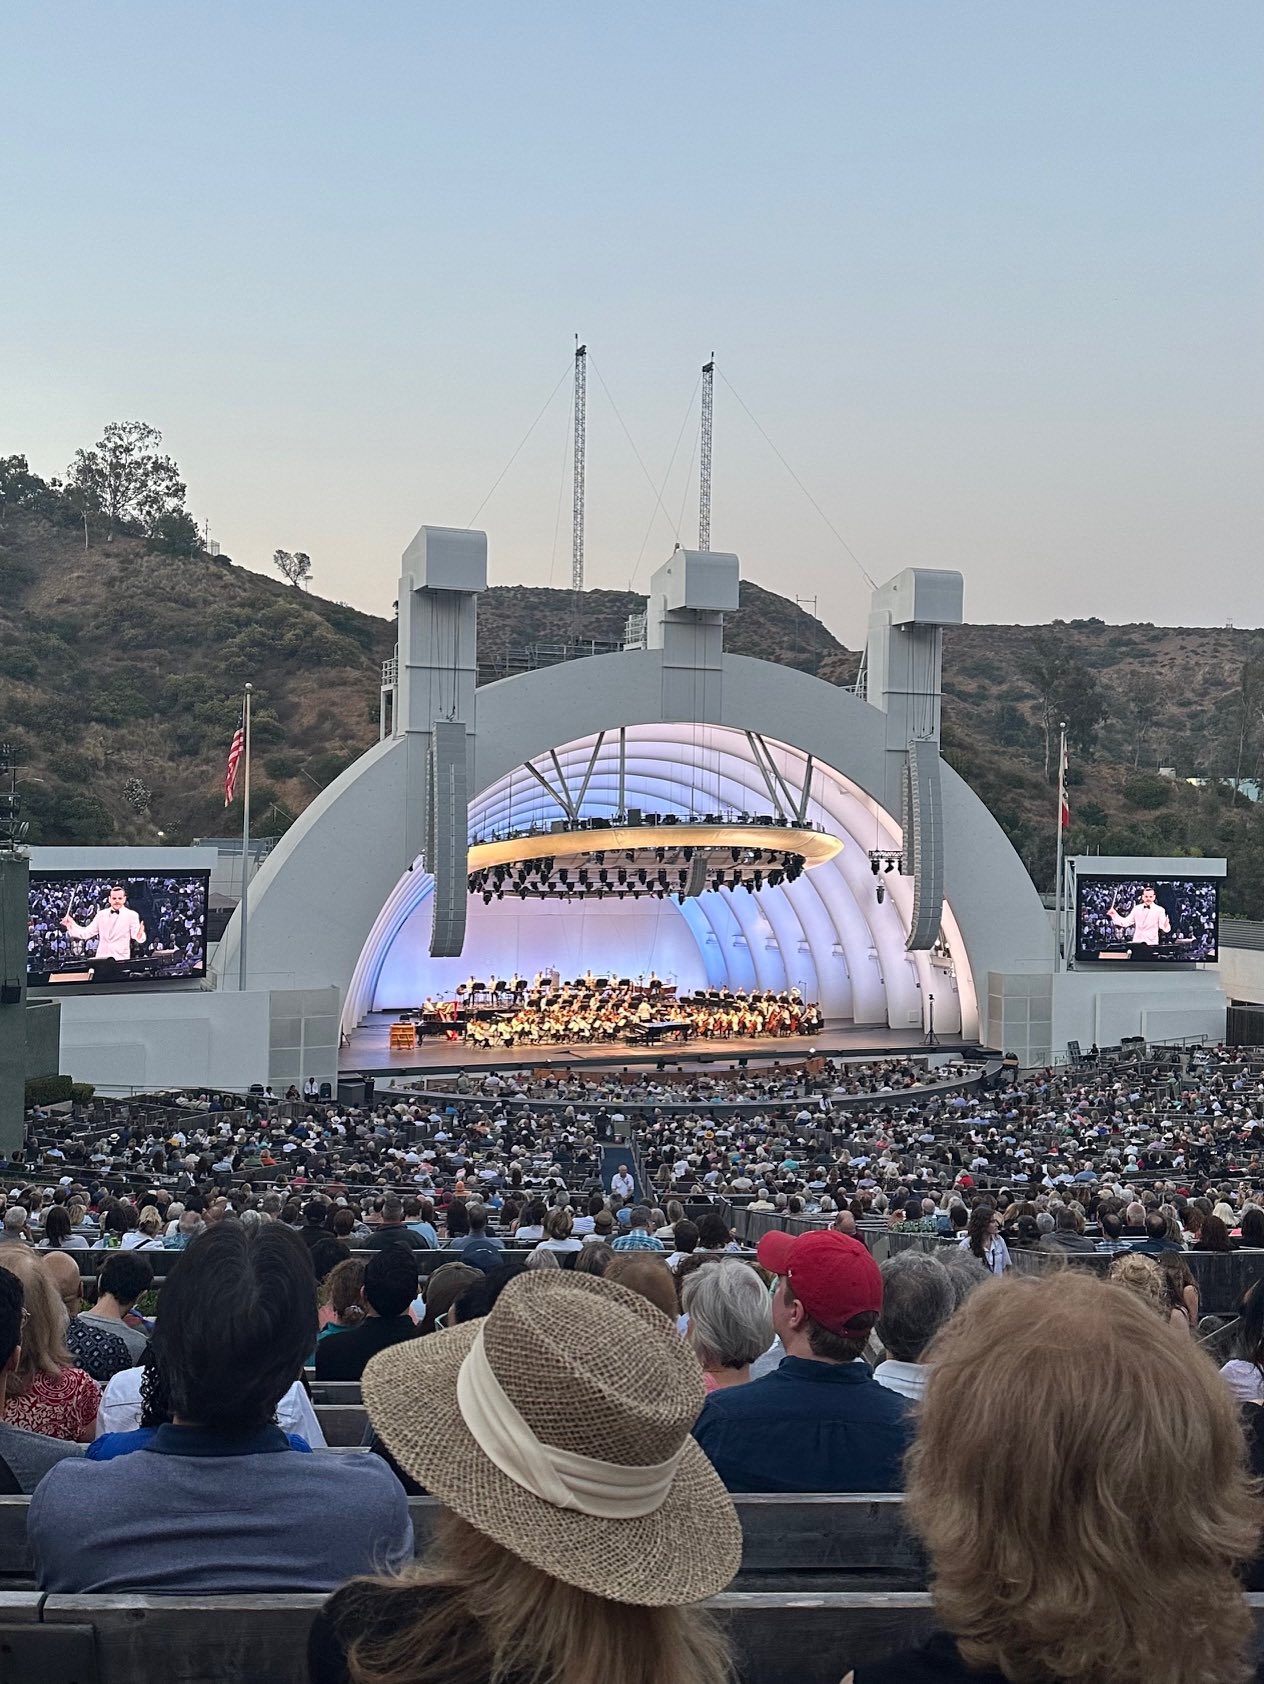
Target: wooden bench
[(788, 1543), (263, 1639), (342, 1423), (777, 1639)]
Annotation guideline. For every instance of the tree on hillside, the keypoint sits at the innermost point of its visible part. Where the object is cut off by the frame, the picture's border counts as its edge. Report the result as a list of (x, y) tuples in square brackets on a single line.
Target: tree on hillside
[(1066, 690), (1245, 715), (127, 479), (1140, 702), (293, 565)]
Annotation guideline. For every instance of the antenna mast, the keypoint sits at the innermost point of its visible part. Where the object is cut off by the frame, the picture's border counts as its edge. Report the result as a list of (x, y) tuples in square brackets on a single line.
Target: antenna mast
[(581, 451), (704, 456)]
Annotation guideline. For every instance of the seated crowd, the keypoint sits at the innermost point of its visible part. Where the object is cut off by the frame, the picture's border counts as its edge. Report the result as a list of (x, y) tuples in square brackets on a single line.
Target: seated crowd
[(587, 1381)]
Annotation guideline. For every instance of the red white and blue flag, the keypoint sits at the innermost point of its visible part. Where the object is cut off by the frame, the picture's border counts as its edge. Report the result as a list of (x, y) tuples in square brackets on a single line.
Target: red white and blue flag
[(236, 749), (1064, 804)]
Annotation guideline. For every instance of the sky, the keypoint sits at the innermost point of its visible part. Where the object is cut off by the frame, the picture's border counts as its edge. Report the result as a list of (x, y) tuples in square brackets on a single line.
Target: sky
[(987, 274)]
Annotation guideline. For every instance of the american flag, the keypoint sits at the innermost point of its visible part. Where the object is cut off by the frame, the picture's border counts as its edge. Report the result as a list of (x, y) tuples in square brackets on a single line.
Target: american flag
[(1064, 804), (236, 749)]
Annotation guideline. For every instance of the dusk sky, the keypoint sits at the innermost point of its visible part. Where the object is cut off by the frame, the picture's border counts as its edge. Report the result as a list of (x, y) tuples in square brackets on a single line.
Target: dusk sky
[(990, 276)]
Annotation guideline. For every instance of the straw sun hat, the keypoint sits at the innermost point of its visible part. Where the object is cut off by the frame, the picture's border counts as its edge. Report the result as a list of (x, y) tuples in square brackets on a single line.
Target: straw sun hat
[(559, 1425)]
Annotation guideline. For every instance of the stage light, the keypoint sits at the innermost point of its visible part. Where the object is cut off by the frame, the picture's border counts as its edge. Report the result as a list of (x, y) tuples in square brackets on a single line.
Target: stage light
[(890, 866), (487, 897), (873, 866), (881, 894)]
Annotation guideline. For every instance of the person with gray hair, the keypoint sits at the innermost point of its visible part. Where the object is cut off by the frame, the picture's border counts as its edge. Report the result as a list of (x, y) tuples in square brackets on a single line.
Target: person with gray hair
[(730, 1320), (917, 1299), (15, 1230), (964, 1271)]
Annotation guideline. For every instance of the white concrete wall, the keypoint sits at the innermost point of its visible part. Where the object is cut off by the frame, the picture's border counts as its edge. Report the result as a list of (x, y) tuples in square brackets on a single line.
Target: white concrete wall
[(1103, 1006), (142, 1040), (1242, 974)]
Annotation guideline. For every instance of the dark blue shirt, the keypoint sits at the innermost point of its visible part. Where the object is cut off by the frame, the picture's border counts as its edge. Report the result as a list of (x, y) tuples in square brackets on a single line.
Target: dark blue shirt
[(807, 1426)]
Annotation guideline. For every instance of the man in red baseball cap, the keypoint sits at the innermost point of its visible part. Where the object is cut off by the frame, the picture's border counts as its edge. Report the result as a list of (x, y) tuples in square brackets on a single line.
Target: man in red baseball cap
[(819, 1421)]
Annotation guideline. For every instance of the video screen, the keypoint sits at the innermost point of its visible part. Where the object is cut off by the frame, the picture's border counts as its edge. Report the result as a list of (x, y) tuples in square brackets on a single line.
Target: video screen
[(112, 928), (1147, 920)]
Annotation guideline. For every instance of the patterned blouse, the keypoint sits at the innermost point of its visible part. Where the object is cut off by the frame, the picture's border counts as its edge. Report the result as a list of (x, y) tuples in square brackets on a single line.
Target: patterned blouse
[(62, 1405)]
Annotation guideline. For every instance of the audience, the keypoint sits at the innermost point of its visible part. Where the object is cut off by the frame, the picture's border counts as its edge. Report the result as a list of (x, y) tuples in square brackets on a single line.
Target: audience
[(218, 1501), (121, 1282), (25, 1457), (1056, 1410), (729, 1320), (917, 1300), (819, 1421), (580, 1525), (390, 1285), (46, 1393)]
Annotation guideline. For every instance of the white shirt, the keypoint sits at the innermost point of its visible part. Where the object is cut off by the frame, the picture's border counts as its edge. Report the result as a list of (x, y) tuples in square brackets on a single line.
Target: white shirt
[(119, 1411), (1147, 922), (908, 1379), (623, 1185), (1244, 1381), (115, 932)]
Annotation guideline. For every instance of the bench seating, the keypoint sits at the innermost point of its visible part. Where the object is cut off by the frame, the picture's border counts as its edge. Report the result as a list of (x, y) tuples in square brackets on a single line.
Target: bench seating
[(788, 1543), (778, 1639)]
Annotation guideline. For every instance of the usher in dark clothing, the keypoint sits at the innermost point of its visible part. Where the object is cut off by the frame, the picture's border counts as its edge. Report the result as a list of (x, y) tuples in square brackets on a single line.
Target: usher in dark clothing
[(343, 1355)]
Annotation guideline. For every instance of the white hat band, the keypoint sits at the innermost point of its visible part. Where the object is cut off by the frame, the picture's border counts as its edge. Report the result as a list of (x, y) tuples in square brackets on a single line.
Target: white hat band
[(606, 1490)]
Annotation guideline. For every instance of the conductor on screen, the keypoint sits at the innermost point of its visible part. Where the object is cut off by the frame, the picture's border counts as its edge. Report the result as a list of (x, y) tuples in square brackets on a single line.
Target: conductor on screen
[(1148, 920), (114, 928)]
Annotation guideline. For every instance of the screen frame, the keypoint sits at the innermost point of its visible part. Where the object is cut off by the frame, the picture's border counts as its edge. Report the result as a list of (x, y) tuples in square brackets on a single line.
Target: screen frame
[(62, 874), (1093, 956)]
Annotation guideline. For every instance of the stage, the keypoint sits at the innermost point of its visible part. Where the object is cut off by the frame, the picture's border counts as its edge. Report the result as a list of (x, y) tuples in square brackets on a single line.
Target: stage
[(368, 1051)]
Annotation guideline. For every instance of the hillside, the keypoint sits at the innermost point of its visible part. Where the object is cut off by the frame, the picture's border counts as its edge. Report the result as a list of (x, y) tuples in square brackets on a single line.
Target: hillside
[(121, 672)]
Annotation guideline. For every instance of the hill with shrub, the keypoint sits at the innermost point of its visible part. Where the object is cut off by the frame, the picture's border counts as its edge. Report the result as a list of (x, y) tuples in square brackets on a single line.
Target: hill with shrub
[(122, 661)]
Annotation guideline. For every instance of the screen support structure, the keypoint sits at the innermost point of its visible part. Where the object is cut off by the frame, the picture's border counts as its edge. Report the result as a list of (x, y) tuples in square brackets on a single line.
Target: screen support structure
[(1062, 828), (14, 878)]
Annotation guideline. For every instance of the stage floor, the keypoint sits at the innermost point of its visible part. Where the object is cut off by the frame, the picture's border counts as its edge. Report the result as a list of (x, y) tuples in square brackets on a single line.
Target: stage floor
[(369, 1053)]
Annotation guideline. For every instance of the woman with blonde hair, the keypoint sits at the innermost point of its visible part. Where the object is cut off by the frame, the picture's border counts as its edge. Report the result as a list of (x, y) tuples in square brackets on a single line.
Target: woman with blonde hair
[(581, 1522), (1040, 1522), (47, 1393), (1142, 1276)]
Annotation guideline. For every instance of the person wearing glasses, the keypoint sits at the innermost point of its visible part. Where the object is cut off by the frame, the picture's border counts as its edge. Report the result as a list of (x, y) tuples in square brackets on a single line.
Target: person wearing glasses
[(24, 1457)]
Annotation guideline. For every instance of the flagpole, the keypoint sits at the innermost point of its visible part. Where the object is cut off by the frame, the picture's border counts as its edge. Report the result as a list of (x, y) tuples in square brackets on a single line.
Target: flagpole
[(1057, 889), (245, 846)]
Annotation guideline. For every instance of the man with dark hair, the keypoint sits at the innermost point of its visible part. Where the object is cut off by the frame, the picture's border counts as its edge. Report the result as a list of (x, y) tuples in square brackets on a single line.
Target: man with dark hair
[(393, 1231), (1156, 1240), (478, 1236), (219, 1502), (24, 1457), (819, 1421), (315, 1223), (123, 1278), (390, 1285)]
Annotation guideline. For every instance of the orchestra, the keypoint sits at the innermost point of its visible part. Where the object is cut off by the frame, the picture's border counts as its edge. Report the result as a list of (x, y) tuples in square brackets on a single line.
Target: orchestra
[(592, 1009)]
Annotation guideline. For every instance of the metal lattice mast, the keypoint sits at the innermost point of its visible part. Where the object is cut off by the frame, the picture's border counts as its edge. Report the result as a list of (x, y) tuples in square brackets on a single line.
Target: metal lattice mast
[(581, 451), (704, 456)]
